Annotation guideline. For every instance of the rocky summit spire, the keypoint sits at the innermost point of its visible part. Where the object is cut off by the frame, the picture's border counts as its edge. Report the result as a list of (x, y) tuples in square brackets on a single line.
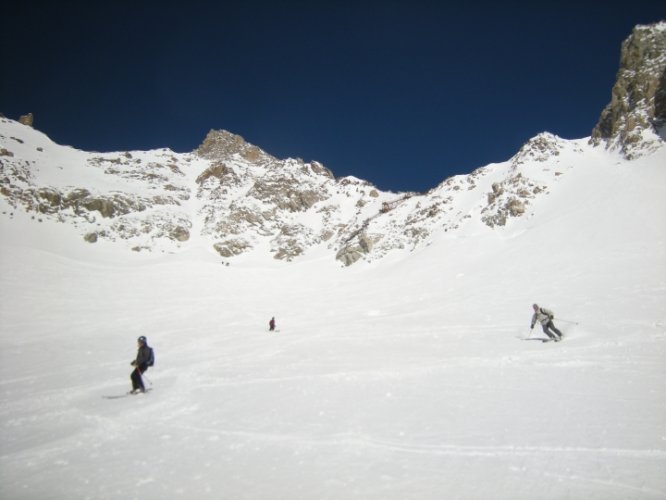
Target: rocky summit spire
[(632, 121), (222, 145)]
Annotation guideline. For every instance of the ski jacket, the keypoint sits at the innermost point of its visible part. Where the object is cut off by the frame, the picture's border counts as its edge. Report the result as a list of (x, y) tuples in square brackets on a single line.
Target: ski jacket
[(142, 357), (543, 316)]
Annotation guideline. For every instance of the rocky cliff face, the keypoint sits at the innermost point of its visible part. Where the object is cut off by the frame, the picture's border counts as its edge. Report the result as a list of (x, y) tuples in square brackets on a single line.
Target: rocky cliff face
[(632, 121), (248, 197)]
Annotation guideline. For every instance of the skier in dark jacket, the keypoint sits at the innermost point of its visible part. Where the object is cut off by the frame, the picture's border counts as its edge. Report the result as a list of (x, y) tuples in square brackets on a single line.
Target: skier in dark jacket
[(140, 365), (271, 324), (545, 317)]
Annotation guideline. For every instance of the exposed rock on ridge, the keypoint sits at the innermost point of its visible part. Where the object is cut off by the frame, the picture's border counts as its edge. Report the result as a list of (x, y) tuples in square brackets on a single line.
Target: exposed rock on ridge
[(223, 145), (248, 195), (631, 122), (27, 120)]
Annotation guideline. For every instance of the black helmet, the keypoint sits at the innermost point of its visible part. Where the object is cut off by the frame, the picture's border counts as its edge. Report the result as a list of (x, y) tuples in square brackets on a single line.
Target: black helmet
[(142, 339)]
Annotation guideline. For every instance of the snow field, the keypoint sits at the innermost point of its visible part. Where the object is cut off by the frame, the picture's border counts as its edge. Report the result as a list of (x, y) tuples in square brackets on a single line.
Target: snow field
[(394, 382)]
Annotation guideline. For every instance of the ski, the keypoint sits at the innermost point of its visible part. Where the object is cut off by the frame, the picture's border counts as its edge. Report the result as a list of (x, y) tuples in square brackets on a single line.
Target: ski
[(118, 396), (130, 393)]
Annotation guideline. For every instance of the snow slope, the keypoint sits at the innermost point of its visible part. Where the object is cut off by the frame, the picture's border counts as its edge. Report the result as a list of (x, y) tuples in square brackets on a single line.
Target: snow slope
[(403, 378)]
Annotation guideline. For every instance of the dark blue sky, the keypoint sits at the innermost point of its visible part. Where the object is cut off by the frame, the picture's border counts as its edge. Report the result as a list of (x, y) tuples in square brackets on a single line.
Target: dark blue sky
[(402, 94)]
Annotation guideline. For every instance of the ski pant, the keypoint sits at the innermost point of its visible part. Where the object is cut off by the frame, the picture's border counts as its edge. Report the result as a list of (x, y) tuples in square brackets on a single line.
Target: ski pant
[(550, 326), (135, 376)]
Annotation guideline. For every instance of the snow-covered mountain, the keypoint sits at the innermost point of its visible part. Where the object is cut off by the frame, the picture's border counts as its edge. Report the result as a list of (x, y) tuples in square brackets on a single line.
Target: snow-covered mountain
[(236, 199), (412, 376)]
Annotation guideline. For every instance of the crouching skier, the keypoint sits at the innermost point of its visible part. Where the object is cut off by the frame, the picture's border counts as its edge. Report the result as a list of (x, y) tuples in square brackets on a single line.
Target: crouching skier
[(144, 357), (545, 317)]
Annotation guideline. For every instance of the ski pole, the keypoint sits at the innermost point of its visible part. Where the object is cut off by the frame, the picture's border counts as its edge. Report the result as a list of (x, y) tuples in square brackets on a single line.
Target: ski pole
[(567, 321), (149, 381), (143, 375)]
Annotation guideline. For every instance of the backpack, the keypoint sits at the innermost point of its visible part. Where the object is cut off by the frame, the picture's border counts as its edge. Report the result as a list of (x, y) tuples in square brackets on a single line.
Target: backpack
[(151, 357), (550, 316)]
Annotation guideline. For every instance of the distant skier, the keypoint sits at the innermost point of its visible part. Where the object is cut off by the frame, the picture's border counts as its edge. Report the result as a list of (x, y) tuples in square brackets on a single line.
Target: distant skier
[(143, 360), (545, 317), (271, 324)]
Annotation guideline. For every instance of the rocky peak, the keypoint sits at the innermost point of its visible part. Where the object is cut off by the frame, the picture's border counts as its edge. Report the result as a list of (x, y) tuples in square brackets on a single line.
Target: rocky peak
[(27, 119), (223, 145), (540, 148), (631, 121)]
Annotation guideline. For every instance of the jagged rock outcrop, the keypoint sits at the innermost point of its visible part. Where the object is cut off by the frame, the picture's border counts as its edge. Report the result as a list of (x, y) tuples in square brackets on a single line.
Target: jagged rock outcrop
[(27, 120), (222, 175), (232, 247), (509, 198), (247, 192), (285, 194), (540, 148), (359, 246), (631, 122), (221, 144)]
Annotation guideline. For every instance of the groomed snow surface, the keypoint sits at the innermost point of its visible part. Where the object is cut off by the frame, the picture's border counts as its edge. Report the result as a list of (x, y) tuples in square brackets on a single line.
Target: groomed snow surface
[(400, 379)]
